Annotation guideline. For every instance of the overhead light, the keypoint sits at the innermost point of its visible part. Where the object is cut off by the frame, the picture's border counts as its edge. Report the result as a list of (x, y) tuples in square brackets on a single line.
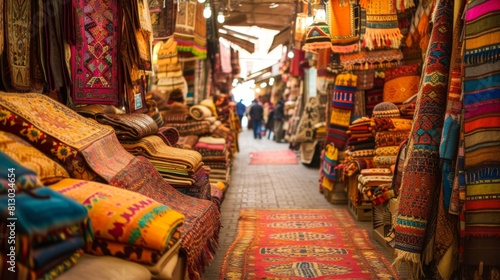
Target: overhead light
[(207, 11), (257, 90), (290, 53), (201, 1), (263, 85), (220, 17), (274, 5)]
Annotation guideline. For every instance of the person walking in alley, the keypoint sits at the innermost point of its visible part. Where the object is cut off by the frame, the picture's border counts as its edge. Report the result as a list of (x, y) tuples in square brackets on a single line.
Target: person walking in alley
[(241, 109), (256, 114), (279, 119)]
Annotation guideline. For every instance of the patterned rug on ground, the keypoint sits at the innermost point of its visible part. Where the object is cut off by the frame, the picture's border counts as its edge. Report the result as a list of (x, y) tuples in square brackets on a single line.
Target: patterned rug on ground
[(273, 157), (300, 244)]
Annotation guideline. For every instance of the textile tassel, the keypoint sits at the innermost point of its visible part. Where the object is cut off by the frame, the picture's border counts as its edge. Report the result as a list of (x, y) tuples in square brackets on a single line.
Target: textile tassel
[(411, 260), (383, 38)]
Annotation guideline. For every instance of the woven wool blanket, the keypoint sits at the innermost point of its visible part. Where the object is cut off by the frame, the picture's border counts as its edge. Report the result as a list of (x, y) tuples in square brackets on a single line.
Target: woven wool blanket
[(421, 176), (170, 157), (47, 170), (129, 126), (481, 128), (84, 147), (150, 225), (200, 230)]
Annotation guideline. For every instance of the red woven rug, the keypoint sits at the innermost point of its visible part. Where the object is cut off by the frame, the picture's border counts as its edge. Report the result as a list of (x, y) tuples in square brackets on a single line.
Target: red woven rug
[(300, 244), (273, 157)]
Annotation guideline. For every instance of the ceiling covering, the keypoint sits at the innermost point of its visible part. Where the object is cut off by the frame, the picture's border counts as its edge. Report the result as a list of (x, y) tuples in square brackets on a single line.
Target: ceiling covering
[(276, 15)]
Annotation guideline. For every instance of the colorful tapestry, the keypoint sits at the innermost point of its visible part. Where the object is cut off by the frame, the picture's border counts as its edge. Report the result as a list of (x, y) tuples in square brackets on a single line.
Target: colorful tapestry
[(46, 169), (123, 216), (17, 43), (479, 171), (95, 71), (374, 96), (302, 243), (163, 17), (422, 172), (344, 25), (382, 30), (200, 230), (310, 117), (273, 157), (63, 135)]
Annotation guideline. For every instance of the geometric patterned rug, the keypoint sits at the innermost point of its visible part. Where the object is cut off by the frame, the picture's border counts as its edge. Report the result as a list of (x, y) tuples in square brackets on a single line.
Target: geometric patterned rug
[(273, 157), (302, 244)]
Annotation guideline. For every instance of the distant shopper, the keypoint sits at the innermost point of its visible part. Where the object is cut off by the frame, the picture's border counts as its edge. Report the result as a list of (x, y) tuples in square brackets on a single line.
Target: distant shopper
[(279, 120), (256, 114), (241, 109)]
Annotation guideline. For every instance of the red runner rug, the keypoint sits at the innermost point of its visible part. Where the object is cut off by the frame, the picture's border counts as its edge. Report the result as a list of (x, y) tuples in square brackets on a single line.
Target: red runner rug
[(273, 157), (302, 243)]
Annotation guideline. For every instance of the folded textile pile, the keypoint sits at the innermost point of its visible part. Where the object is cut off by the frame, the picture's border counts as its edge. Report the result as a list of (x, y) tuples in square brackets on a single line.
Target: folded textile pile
[(214, 154), (202, 218), (44, 231), (129, 126), (374, 184), (85, 148), (126, 224), (361, 135), (179, 167), (187, 142), (191, 127), (391, 131)]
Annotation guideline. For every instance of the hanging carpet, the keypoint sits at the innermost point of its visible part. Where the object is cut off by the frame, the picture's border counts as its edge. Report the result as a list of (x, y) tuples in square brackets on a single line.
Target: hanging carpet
[(302, 243), (95, 65), (421, 175)]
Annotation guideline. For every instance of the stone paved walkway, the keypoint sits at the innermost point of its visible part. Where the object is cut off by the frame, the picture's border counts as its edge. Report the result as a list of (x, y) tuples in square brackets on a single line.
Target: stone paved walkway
[(267, 186)]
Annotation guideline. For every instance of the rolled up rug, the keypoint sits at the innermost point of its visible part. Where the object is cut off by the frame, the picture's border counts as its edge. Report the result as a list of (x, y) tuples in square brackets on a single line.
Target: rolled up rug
[(199, 112), (170, 135)]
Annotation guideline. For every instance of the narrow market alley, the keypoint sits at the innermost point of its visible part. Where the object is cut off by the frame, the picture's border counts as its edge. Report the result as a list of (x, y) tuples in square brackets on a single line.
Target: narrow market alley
[(269, 186)]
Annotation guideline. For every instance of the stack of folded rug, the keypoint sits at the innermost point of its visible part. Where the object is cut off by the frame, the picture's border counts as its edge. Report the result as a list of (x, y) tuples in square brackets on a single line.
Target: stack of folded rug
[(44, 232), (179, 167), (126, 224), (215, 155)]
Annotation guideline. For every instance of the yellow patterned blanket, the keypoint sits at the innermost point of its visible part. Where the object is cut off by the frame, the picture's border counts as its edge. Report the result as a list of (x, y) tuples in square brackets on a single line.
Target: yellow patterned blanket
[(123, 216)]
